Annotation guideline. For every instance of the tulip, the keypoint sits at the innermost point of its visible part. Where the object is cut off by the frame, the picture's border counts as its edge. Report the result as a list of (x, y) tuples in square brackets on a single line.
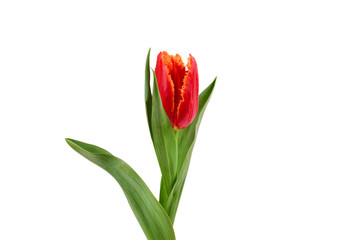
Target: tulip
[(178, 87), (175, 97)]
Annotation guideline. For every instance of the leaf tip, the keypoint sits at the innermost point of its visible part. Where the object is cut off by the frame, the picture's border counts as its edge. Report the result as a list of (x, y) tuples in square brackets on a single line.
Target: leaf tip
[(214, 82), (71, 143)]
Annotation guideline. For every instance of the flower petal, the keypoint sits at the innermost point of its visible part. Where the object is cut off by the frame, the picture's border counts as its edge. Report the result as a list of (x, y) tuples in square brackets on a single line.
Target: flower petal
[(189, 103), (177, 75), (166, 86)]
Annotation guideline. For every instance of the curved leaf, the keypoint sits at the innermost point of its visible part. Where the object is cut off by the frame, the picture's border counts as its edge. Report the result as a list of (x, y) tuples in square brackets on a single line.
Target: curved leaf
[(148, 96), (148, 211), (164, 140), (186, 142)]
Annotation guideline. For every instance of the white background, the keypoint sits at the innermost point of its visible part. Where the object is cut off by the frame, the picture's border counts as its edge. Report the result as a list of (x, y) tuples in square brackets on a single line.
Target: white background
[(278, 151)]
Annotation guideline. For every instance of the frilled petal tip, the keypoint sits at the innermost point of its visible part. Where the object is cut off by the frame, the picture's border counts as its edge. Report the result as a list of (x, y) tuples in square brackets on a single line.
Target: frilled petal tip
[(178, 87)]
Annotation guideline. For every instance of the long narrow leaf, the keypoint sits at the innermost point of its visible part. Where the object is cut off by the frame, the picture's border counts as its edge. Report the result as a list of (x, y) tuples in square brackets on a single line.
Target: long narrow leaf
[(186, 142), (164, 193), (148, 96), (164, 140), (148, 211)]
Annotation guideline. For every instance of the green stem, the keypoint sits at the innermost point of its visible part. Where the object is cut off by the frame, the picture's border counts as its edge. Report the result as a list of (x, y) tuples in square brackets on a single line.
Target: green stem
[(164, 191)]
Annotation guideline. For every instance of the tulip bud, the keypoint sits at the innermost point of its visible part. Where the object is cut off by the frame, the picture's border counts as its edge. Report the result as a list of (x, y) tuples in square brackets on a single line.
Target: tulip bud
[(178, 87)]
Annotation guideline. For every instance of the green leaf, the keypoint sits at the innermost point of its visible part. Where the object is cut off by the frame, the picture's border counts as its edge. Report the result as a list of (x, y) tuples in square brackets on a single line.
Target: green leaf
[(148, 211), (164, 141), (164, 193), (148, 97), (186, 142)]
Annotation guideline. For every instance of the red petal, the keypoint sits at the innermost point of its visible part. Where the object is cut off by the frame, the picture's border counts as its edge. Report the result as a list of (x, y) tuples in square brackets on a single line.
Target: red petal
[(189, 103), (165, 83), (177, 74)]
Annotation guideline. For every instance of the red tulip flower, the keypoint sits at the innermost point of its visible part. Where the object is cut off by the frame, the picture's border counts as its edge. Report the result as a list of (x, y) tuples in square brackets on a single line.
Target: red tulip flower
[(178, 87)]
